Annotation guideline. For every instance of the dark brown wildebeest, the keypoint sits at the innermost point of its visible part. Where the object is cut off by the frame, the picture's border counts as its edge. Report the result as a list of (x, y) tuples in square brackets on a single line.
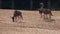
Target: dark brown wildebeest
[(17, 16), (45, 11)]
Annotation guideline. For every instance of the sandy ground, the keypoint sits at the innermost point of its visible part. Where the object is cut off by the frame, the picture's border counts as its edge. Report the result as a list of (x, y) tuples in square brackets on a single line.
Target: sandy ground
[(32, 23)]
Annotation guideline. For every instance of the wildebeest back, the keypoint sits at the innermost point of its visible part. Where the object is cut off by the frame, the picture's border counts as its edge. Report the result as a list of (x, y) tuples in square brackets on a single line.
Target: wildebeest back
[(17, 13)]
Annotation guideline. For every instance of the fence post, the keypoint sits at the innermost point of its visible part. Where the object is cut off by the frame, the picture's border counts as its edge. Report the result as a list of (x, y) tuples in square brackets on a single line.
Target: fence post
[(0, 4), (49, 5), (31, 4), (12, 4)]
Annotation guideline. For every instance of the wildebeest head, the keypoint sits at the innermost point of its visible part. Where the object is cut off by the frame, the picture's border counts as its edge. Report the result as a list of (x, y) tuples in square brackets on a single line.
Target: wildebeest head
[(42, 4)]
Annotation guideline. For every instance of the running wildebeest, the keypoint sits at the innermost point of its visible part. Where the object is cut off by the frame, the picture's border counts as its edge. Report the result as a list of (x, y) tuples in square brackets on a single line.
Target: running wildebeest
[(45, 11), (17, 16)]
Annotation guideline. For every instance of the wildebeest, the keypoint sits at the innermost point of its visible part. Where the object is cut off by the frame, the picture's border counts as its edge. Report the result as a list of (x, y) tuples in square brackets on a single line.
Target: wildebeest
[(45, 11), (17, 16)]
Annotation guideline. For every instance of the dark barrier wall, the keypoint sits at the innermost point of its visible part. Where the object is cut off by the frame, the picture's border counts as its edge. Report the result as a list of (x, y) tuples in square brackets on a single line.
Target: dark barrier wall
[(0, 4), (55, 4), (22, 4), (29, 4), (6, 4)]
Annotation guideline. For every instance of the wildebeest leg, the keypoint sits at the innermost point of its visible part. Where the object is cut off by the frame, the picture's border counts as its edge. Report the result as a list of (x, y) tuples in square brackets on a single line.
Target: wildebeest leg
[(41, 15), (44, 16), (15, 19), (19, 19), (40, 12), (50, 14), (49, 17)]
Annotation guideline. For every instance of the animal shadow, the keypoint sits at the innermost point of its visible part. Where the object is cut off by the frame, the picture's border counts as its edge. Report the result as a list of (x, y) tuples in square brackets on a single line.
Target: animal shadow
[(52, 20)]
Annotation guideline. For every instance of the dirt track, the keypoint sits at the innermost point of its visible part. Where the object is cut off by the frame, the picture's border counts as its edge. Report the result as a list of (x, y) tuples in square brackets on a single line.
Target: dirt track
[(32, 23)]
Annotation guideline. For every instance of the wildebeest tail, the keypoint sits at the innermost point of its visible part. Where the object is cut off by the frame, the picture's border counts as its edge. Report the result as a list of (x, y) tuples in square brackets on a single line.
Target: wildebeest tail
[(51, 14)]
